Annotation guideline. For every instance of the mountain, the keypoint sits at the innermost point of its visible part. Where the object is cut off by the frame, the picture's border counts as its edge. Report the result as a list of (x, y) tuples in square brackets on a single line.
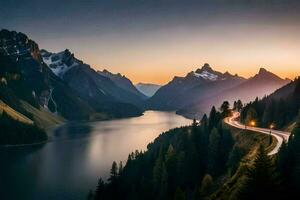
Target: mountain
[(59, 83), (194, 87), (25, 77), (147, 89), (122, 82), (102, 92), (260, 85)]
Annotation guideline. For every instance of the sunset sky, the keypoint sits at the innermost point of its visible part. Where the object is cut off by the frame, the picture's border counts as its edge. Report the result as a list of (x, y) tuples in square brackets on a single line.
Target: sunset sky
[(152, 41)]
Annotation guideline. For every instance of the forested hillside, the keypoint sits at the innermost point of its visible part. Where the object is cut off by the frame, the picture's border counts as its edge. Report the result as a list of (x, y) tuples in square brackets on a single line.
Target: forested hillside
[(275, 178), (190, 162), (277, 110), (180, 162)]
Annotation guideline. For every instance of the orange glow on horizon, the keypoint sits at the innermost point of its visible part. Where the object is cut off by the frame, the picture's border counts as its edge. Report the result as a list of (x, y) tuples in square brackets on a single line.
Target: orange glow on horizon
[(159, 55), (163, 76)]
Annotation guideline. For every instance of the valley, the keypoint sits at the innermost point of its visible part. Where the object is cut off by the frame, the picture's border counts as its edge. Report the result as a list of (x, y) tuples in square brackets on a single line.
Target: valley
[(64, 123)]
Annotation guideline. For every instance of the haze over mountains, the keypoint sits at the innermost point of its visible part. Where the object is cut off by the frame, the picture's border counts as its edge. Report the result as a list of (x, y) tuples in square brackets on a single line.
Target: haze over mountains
[(260, 85), (123, 82), (147, 89), (68, 87), (280, 108), (195, 93)]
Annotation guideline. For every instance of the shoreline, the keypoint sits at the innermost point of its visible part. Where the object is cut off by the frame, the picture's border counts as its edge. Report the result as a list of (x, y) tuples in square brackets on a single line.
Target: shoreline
[(47, 130), (50, 129)]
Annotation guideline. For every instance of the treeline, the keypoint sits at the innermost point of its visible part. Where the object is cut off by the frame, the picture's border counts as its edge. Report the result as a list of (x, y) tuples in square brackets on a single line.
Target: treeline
[(14, 132), (275, 111), (183, 163), (277, 178)]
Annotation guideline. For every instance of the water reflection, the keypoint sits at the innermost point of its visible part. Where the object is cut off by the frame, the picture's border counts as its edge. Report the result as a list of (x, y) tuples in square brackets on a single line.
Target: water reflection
[(69, 165), (72, 131)]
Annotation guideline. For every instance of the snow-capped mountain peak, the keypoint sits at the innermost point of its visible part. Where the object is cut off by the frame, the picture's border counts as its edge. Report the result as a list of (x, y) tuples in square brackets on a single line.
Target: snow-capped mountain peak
[(60, 62), (207, 73)]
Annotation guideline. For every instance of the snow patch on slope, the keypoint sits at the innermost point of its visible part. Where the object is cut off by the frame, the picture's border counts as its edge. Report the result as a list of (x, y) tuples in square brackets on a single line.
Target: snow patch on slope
[(207, 75), (56, 62)]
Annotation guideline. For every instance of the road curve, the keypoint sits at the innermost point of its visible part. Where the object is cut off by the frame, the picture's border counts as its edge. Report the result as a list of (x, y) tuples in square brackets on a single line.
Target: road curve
[(280, 136)]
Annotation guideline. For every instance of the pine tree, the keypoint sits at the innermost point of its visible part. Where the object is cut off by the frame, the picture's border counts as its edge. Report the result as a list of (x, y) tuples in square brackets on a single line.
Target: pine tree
[(280, 114), (284, 164), (225, 109), (268, 114), (170, 152), (157, 169), (239, 105), (120, 168), (113, 172), (204, 124), (163, 183), (204, 120), (213, 151), (294, 154), (212, 122), (262, 180), (235, 106), (288, 163), (180, 167)]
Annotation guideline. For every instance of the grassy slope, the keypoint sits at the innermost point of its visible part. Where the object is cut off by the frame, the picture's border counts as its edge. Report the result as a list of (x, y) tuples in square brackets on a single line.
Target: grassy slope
[(14, 114), (42, 117), (249, 141)]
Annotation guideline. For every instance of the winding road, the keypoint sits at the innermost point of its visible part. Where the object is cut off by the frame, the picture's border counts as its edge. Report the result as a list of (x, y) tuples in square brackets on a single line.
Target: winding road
[(280, 136)]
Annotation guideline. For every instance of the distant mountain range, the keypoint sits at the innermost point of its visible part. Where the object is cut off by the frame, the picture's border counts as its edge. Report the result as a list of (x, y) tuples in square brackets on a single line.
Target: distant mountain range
[(194, 94), (260, 85), (66, 86), (123, 82), (195, 86), (147, 89)]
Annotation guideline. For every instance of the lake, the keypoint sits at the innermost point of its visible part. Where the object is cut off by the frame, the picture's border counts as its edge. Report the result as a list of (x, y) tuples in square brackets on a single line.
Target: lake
[(77, 155)]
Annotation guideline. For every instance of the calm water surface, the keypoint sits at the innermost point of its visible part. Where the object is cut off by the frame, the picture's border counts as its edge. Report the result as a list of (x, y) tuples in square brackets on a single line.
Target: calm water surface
[(78, 154)]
